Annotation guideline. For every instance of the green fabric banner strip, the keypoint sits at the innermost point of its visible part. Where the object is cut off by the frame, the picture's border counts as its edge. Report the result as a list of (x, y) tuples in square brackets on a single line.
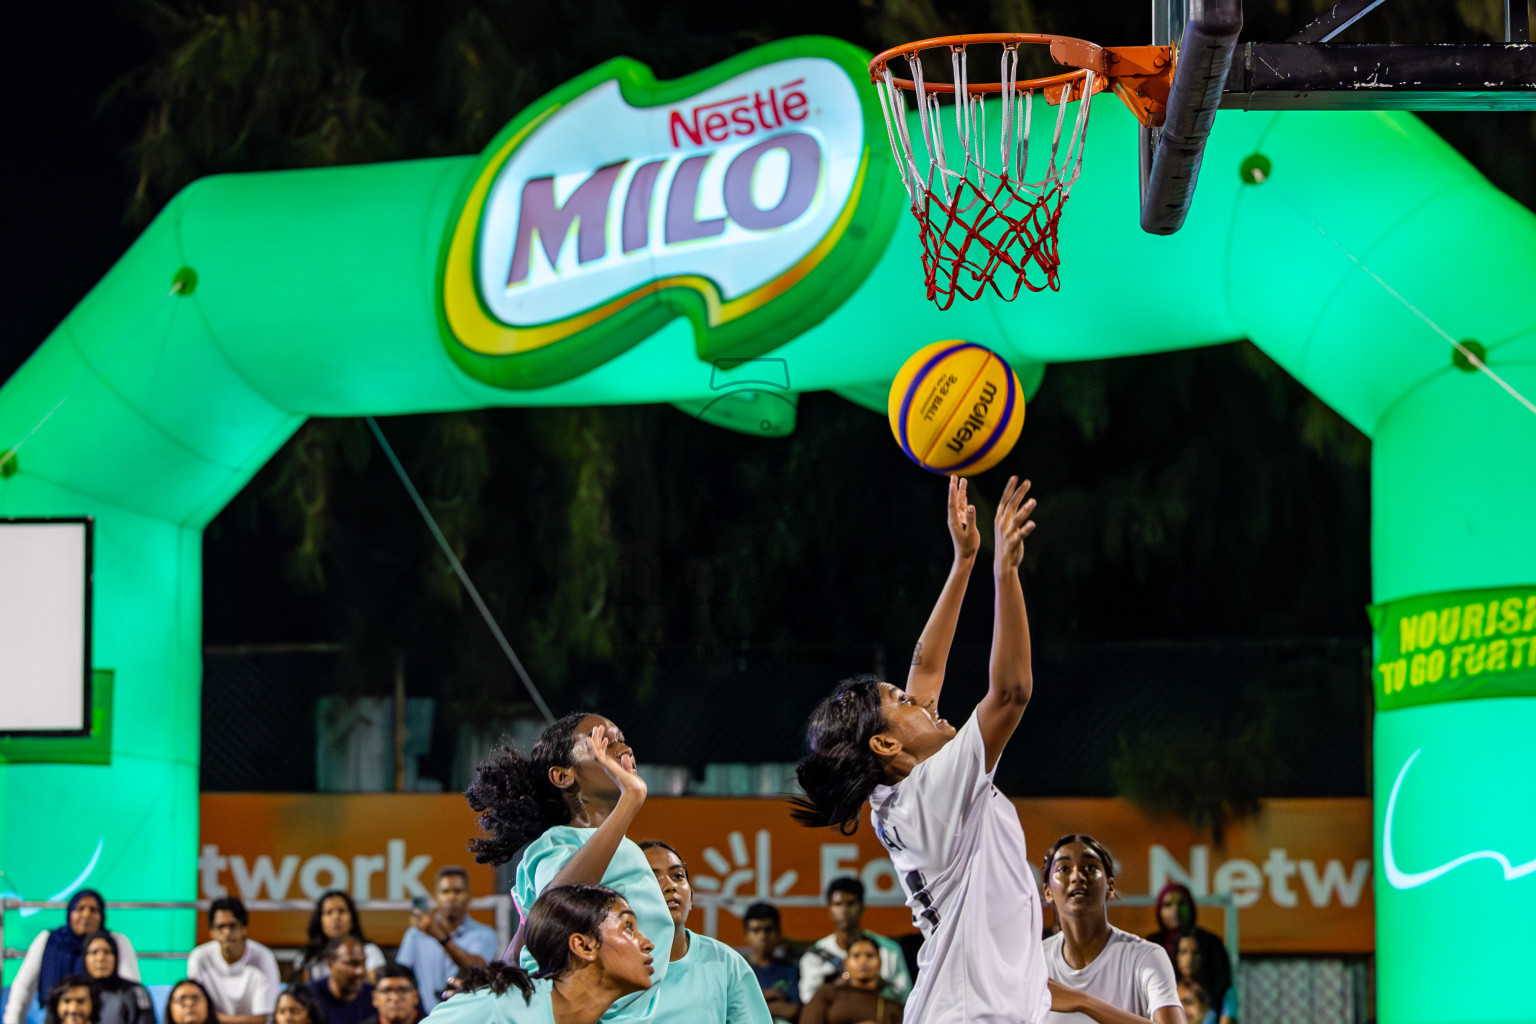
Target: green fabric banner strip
[(1455, 646)]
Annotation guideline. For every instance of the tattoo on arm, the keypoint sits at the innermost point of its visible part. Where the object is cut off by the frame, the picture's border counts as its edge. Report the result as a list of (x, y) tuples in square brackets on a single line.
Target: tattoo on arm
[(917, 654)]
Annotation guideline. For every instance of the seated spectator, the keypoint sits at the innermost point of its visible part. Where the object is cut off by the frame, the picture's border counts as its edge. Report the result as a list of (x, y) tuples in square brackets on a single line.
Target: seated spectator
[(55, 954), (344, 993), (335, 915), (238, 972), (188, 1003), (1197, 1003), (1191, 966), (441, 944), (297, 1006), (72, 1000), (396, 996), (824, 960), (777, 973), (859, 995), (1176, 913), (120, 1001)]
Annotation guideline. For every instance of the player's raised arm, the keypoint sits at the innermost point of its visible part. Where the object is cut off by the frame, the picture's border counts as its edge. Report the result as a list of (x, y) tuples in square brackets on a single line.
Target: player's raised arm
[(1011, 682), (926, 677)]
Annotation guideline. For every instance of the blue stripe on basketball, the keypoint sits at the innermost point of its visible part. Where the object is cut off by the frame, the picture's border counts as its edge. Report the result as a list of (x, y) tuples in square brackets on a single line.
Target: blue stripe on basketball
[(1002, 421), (912, 386)]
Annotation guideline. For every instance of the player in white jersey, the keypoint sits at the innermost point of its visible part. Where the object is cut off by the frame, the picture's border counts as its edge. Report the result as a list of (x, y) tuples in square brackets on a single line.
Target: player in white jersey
[(1122, 978), (954, 840)]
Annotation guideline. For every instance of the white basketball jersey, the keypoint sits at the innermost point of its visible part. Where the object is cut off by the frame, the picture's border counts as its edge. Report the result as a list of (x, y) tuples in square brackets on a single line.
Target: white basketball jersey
[(958, 849)]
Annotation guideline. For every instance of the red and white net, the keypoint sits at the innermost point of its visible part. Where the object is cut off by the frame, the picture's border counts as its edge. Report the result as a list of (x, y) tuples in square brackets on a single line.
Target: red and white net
[(984, 225)]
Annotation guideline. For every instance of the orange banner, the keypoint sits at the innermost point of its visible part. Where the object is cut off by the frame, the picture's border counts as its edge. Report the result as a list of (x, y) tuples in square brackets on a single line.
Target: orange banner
[(1299, 873), (294, 846)]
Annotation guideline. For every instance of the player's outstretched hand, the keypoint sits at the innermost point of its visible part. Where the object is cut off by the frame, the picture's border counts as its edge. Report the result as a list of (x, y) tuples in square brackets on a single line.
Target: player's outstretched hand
[(962, 521), (620, 769), (1012, 525)]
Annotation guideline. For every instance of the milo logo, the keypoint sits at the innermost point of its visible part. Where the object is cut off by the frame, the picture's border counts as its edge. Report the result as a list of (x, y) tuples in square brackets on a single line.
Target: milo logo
[(975, 420), (741, 198)]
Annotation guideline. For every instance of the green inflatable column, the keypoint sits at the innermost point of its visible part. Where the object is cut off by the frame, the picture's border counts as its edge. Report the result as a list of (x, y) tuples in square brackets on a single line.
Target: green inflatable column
[(1453, 517)]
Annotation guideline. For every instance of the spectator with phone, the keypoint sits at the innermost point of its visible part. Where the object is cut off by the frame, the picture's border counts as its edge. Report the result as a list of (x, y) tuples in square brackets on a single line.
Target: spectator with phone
[(443, 939)]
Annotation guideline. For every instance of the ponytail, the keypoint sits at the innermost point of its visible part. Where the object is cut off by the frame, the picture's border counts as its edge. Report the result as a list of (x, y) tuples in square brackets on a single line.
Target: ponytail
[(513, 795), (500, 978), (841, 770)]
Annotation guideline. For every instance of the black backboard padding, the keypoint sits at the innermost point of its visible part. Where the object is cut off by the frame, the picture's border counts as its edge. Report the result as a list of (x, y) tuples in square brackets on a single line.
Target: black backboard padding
[(1210, 36)]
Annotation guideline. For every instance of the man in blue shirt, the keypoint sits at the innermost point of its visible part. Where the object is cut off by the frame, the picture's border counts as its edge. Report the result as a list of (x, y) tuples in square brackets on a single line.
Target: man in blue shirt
[(441, 944)]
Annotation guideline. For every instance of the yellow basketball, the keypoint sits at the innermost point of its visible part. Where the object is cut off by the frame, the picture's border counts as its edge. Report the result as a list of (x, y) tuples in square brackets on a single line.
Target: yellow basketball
[(956, 407)]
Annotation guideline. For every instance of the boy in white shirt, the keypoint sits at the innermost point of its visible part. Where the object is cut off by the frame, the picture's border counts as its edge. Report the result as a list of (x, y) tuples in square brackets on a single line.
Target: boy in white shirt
[(238, 972)]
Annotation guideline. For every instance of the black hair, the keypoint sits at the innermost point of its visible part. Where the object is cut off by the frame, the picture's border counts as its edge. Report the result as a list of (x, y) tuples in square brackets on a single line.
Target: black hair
[(334, 945), (841, 770), (848, 884), (762, 912), (498, 977), (513, 795), (1088, 841), (235, 907), (398, 971), (68, 982), (452, 869), (213, 1008), (670, 849), (558, 914), (302, 995)]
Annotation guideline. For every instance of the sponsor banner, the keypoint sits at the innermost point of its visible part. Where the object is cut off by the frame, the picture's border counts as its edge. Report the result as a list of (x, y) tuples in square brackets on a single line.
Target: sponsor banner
[(1299, 873), (1455, 646), (295, 846), (750, 198)]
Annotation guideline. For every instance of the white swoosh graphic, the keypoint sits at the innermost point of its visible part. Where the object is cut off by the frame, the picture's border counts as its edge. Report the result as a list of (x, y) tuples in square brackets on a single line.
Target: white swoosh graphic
[(1401, 879), (101, 842)]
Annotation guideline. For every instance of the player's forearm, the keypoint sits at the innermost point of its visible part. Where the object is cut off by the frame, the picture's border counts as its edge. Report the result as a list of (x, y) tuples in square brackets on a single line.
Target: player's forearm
[(1071, 1000), (1011, 679), (926, 678)]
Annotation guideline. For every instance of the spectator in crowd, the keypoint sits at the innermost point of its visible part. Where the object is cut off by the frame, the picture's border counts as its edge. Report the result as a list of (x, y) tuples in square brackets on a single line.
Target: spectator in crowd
[(440, 944), (298, 1006), (777, 974), (859, 994), (1176, 912), (72, 1000), (335, 915), (119, 1000), (1117, 977), (824, 960), (188, 1003), (589, 952), (708, 980), (345, 993), (239, 973), (1197, 1003), (1191, 966), (396, 996), (60, 952)]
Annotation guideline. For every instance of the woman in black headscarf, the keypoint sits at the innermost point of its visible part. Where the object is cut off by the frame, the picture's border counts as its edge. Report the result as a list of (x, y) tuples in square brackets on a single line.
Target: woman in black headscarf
[(122, 1001), (56, 954)]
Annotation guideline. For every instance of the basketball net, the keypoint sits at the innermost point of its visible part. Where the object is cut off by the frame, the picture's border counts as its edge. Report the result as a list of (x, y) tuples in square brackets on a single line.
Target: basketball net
[(985, 225)]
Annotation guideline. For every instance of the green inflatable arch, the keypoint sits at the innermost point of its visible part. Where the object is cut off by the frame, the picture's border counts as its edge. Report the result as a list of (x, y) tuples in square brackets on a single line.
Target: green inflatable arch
[(255, 301)]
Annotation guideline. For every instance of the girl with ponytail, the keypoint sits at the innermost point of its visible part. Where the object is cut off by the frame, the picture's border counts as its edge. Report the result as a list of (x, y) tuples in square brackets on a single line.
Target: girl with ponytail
[(566, 807), (587, 951), (956, 843)]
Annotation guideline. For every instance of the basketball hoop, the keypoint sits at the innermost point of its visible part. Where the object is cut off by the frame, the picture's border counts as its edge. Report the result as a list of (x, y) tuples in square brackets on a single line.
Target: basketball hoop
[(992, 226)]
